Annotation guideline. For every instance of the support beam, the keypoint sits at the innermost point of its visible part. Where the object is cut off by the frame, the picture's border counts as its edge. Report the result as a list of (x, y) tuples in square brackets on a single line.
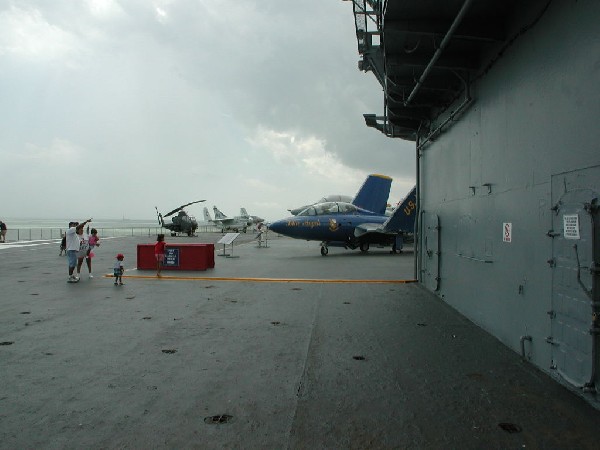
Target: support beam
[(457, 61), (484, 32)]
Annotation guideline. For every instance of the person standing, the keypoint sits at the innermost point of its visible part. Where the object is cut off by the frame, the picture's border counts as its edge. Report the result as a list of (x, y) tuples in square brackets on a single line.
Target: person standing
[(83, 251), (259, 236), (93, 241), (119, 269), (3, 230), (73, 242), (159, 253), (63, 245)]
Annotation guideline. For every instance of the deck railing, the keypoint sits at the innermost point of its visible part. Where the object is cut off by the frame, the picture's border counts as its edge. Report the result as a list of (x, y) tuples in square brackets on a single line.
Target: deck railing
[(33, 234)]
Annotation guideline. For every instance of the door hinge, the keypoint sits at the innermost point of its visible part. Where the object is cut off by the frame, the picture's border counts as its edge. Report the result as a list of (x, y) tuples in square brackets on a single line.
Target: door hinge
[(552, 314), (550, 340), (591, 208), (552, 234), (551, 262)]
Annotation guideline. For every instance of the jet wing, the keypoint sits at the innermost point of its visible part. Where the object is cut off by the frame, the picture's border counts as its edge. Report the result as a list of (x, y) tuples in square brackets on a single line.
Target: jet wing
[(224, 221), (366, 228)]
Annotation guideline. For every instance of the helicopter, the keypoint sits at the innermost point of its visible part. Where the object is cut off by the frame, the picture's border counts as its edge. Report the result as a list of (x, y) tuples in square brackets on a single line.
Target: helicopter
[(182, 222)]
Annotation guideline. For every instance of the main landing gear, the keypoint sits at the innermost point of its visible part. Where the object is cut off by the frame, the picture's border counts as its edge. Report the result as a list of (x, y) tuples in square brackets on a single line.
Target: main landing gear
[(364, 247)]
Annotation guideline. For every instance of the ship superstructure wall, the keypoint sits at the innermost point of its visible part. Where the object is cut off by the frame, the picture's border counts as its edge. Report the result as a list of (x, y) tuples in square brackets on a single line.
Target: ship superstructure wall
[(507, 195)]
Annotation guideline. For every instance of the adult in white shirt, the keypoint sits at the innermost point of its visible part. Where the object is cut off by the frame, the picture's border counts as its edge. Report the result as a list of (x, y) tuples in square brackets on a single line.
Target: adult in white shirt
[(73, 242)]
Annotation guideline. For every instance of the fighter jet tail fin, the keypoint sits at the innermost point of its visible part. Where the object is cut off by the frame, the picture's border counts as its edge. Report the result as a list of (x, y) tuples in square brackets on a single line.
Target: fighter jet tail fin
[(403, 217), (207, 217), (374, 193), (218, 214)]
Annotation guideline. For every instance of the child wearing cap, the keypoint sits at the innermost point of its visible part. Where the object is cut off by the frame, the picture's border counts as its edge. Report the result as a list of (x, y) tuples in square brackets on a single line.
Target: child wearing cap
[(119, 269)]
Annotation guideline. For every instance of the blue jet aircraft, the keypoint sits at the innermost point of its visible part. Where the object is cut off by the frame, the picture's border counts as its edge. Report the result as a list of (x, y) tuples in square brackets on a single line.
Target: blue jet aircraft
[(357, 224)]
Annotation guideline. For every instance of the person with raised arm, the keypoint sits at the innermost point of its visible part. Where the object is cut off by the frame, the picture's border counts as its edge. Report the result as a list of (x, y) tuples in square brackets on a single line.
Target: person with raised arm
[(73, 243)]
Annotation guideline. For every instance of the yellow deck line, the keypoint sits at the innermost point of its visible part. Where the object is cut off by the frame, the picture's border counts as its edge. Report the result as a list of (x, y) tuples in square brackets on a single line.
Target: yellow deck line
[(262, 280)]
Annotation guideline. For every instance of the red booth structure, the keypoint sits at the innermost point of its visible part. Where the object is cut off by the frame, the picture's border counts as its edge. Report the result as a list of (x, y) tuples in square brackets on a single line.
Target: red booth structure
[(178, 257)]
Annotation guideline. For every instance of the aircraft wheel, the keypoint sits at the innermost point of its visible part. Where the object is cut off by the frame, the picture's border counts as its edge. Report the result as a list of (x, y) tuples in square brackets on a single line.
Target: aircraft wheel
[(189, 233), (364, 247), (324, 251), (173, 234)]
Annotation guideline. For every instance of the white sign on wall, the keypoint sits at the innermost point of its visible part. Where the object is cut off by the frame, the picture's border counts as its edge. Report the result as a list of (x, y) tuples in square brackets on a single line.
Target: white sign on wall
[(571, 226), (507, 232)]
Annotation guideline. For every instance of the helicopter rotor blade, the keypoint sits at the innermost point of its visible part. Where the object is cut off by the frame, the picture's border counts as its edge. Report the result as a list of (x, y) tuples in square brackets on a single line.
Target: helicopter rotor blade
[(181, 207), (160, 221)]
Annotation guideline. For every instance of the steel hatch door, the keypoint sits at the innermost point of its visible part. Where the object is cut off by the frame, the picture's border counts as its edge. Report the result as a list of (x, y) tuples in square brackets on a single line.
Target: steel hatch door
[(573, 255), (430, 266)]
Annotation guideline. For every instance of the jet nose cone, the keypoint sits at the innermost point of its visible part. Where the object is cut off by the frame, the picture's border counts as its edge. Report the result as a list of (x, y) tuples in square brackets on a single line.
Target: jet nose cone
[(278, 226)]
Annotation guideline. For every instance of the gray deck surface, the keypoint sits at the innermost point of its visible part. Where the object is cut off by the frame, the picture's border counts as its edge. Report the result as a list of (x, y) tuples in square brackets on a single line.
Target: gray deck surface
[(295, 364)]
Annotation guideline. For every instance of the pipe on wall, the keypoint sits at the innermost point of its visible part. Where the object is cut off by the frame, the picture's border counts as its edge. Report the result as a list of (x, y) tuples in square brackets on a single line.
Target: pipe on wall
[(457, 20), (416, 232), (593, 209)]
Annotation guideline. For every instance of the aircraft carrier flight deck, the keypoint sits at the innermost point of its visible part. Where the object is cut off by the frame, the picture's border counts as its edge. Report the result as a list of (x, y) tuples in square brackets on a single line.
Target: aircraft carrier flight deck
[(276, 347)]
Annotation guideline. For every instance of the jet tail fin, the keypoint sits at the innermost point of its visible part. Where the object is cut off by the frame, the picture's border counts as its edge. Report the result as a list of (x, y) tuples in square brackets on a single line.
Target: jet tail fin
[(403, 217), (218, 214), (207, 217), (244, 213), (374, 193)]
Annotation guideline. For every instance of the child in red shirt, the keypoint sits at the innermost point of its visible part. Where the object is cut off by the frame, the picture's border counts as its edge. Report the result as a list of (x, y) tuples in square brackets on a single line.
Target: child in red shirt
[(159, 252)]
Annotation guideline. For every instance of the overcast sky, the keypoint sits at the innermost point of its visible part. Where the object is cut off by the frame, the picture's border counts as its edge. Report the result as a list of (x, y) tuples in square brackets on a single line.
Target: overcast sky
[(111, 107)]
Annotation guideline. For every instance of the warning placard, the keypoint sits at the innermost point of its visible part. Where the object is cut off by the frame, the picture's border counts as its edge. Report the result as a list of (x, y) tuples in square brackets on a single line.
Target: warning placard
[(171, 257), (571, 226), (507, 232)]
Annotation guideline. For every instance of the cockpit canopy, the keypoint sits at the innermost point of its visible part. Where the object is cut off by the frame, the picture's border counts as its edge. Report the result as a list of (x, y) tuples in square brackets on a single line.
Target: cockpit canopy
[(182, 217), (327, 208)]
